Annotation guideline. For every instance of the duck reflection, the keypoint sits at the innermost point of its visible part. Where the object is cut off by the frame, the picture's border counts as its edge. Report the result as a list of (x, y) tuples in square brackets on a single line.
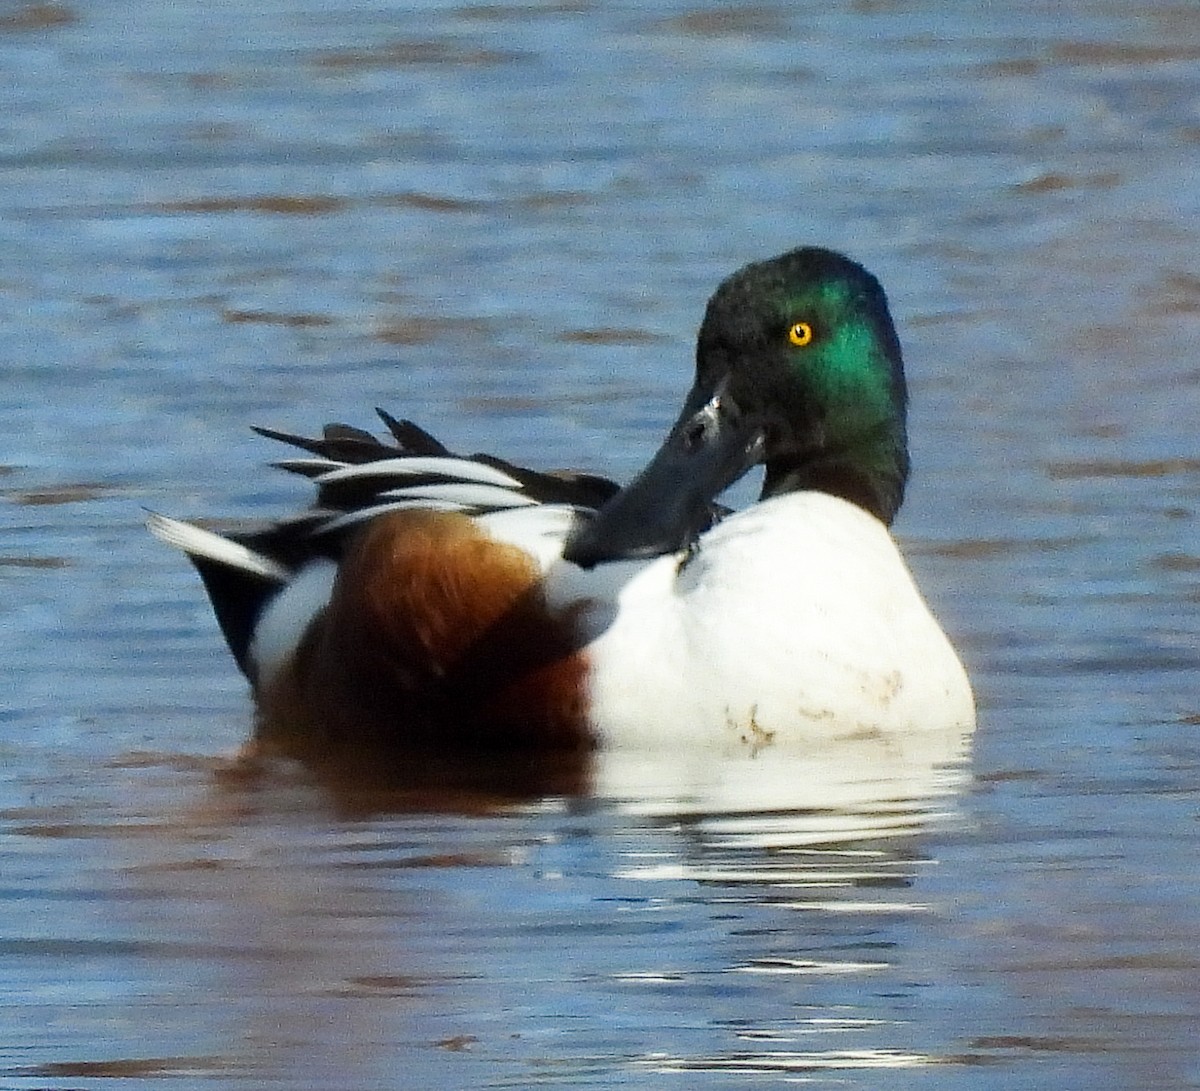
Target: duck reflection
[(703, 911), (834, 788)]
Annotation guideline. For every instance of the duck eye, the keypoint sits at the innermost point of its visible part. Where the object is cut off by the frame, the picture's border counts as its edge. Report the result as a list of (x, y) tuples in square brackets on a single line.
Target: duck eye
[(800, 334)]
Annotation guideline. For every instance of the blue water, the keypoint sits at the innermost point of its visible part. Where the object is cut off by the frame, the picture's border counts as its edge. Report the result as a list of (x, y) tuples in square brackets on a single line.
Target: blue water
[(503, 222)]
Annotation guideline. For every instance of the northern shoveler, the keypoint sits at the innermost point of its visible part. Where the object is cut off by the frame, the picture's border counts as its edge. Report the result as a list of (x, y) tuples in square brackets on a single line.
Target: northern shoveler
[(433, 599)]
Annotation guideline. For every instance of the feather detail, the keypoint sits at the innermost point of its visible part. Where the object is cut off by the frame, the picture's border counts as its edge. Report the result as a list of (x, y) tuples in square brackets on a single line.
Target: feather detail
[(198, 542)]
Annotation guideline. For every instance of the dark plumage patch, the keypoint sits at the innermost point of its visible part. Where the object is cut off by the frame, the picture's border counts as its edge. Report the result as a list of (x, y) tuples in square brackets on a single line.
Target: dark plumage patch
[(345, 443)]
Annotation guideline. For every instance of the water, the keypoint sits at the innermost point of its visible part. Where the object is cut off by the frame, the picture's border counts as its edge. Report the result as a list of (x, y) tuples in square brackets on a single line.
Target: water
[(502, 221)]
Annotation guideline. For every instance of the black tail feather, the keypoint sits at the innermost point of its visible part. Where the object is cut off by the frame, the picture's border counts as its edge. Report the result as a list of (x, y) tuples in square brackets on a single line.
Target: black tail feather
[(413, 439), (238, 600)]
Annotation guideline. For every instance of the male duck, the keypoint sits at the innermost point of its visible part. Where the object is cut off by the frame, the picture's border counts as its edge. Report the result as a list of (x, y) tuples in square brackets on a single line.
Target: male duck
[(433, 599)]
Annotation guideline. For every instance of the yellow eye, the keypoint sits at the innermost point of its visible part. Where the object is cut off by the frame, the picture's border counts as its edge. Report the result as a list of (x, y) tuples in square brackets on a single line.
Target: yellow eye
[(800, 334)]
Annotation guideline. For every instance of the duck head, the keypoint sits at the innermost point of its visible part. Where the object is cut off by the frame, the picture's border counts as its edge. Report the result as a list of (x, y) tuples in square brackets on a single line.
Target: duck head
[(798, 367)]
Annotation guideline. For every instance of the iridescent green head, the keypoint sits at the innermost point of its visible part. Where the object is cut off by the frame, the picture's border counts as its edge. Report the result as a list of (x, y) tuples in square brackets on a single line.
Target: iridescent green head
[(798, 367), (805, 343)]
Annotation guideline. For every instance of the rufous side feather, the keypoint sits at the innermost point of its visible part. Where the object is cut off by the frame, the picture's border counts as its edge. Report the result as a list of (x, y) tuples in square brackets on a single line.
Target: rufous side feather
[(435, 633)]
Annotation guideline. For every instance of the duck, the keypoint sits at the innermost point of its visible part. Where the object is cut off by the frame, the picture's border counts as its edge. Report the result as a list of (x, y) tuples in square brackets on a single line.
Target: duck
[(433, 600)]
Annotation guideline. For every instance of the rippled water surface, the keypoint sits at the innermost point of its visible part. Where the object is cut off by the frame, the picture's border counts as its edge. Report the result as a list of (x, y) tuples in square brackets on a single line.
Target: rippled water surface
[(502, 221)]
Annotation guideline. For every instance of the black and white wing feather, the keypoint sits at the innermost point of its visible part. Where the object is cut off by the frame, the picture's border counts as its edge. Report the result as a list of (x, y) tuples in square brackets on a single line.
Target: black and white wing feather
[(358, 477)]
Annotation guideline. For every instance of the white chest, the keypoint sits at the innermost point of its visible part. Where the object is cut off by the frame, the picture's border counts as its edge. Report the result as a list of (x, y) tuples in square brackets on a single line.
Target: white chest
[(796, 619)]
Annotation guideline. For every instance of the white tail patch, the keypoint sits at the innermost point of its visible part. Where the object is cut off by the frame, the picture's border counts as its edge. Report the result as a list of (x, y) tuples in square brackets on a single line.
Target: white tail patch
[(204, 543)]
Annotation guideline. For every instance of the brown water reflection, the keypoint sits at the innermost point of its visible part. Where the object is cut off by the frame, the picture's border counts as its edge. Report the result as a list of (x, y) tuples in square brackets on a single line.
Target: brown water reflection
[(360, 783)]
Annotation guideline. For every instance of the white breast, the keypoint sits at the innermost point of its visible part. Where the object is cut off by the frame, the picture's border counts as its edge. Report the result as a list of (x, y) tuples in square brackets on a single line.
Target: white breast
[(796, 618)]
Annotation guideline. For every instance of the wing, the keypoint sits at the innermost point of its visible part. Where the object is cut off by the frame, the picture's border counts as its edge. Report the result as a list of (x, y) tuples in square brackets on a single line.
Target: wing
[(357, 477)]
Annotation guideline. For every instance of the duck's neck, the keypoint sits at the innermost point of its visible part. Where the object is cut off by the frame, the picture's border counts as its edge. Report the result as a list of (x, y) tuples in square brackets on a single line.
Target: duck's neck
[(870, 474)]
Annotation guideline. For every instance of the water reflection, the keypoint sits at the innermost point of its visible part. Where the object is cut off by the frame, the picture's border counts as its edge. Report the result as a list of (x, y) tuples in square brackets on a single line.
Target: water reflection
[(866, 774), (278, 923), (372, 781), (672, 896), (833, 789), (814, 861)]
